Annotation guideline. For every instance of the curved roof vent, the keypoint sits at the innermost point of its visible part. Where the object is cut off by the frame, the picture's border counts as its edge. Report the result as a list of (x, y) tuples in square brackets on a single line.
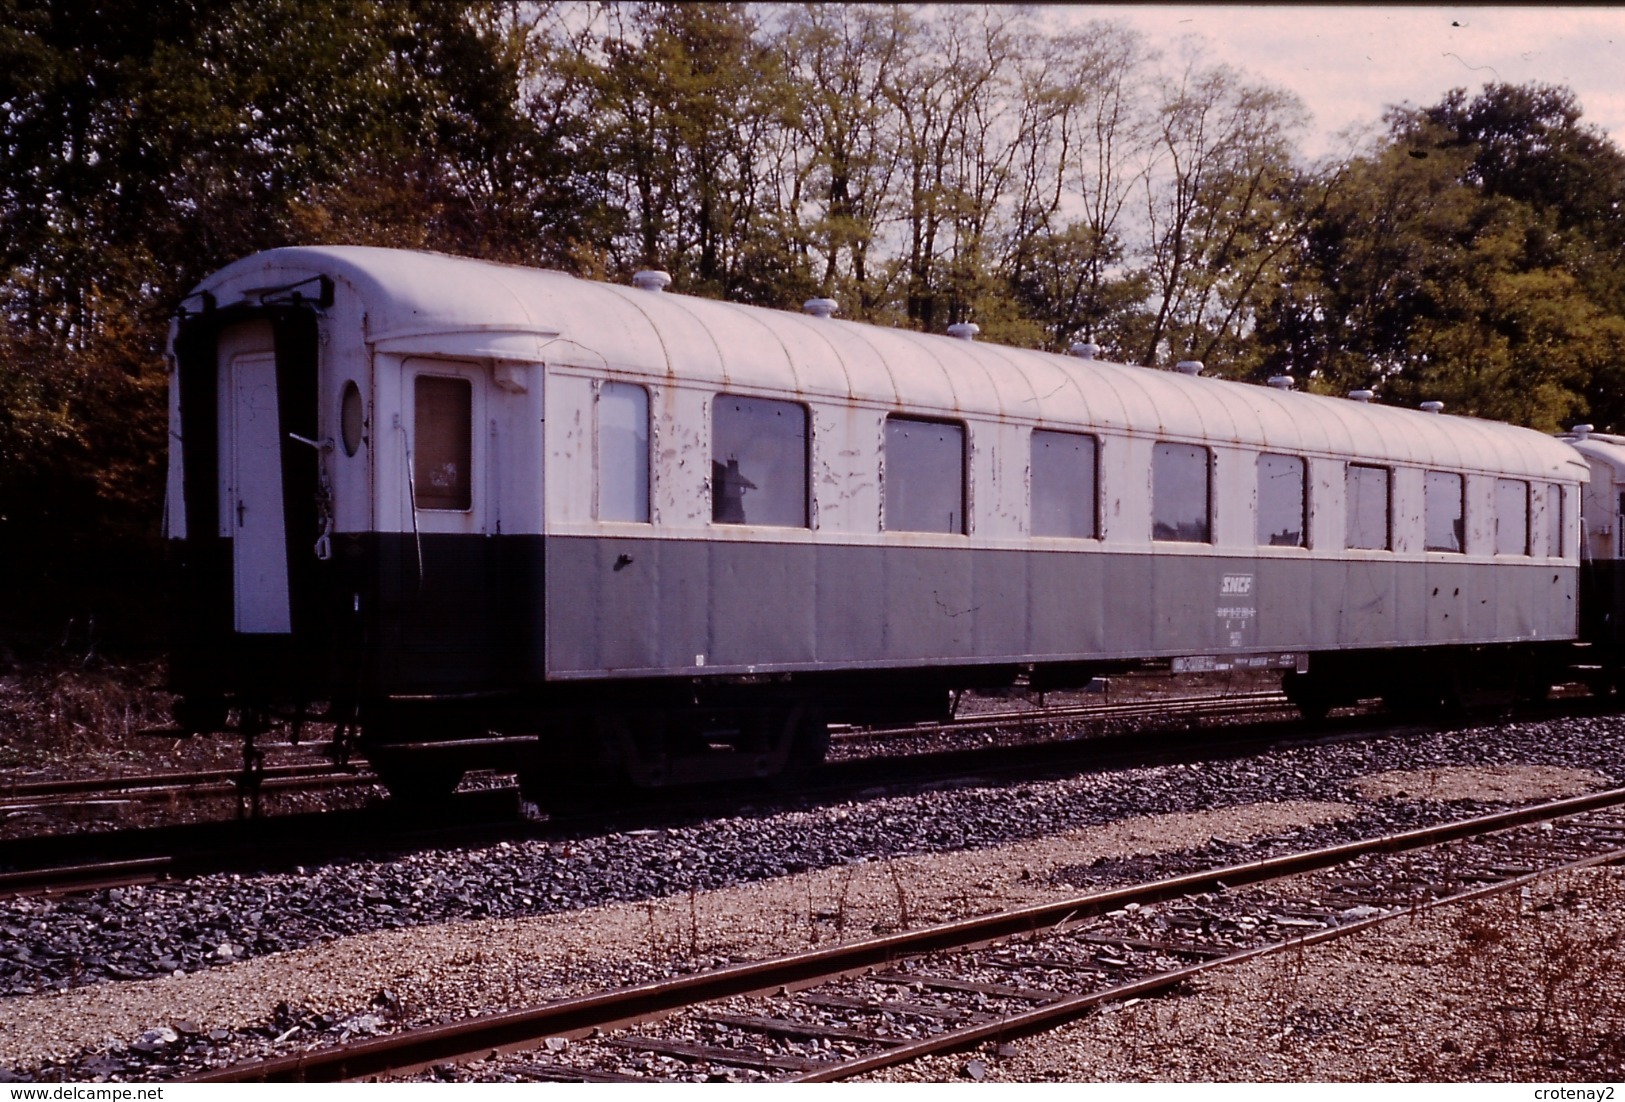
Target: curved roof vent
[(820, 307), (1281, 382), (964, 330), (1085, 350), (1582, 431), (1362, 396), (1432, 407), (1189, 367), (649, 280)]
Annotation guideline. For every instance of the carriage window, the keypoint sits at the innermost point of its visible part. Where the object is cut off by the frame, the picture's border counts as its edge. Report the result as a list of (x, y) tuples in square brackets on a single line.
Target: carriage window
[(1282, 502), (443, 455), (758, 462), (623, 452), (1064, 484), (1443, 513), (1511, 517), (1554, 521), (1367, 508), (924, 476), (1181, 496), (352, 418)]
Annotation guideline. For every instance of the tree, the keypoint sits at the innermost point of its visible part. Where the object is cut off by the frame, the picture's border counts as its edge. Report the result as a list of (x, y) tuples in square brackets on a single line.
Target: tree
[(1217, 221), (687, 104), (1438, 267), (838, 57), (147, 144), (1087, 146)]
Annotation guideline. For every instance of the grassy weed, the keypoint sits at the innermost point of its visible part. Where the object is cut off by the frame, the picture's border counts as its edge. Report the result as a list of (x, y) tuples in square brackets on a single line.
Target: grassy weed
[(55, 711)]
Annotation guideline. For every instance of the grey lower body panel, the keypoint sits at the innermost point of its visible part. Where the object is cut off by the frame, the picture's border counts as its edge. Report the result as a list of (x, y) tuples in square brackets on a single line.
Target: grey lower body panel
[(642, 607)]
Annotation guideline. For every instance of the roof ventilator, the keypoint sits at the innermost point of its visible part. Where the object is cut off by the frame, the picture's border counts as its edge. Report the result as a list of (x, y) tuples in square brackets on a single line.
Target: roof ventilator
[(964, 330), (820, 307), (1189, 367), (1281, 382), (651, 281), (1085, 350), (1362, 396), (1432, 407)]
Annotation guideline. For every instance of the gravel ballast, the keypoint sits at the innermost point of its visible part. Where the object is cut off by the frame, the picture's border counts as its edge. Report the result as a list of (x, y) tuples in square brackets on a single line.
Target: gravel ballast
[(437, 935), (1523, 987)]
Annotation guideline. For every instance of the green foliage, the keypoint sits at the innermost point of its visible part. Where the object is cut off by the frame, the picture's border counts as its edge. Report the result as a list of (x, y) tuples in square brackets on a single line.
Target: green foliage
[(921, 165), (146, 144), (1462, 259)]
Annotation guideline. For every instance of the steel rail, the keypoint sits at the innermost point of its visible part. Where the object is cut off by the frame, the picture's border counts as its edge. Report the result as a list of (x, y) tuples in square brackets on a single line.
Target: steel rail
[(58, 863), (415, 1049), (280, 776), (1064, 1010), (1216, 704), (80, 878)]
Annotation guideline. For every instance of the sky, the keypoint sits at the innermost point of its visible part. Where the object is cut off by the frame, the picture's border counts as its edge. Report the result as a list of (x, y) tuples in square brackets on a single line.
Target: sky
[(1347, 62)]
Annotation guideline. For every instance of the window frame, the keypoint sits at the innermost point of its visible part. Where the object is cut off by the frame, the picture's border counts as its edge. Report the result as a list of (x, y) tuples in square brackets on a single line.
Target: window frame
[(1349, 468), (1528, 535), (1259, 536), (1092, 499), (600, 388), (1428, 477), (1557, 534), (1206, 453), (447, 375), (888, 476), (805, 523)]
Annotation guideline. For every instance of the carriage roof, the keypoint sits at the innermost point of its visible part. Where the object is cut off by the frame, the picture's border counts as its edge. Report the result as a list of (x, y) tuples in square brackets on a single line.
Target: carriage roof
[(431, 303)]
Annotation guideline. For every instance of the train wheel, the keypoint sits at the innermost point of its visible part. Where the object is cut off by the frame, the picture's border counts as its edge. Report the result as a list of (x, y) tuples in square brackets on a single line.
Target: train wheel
[(414, 781), (565, 792), (1534, 685), (197, 716), (1307, 693), (1602, 681), (809, 744), (1415, 698)]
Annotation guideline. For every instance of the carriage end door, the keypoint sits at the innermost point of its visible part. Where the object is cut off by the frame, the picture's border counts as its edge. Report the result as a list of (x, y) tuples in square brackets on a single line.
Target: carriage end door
[(251, 513)]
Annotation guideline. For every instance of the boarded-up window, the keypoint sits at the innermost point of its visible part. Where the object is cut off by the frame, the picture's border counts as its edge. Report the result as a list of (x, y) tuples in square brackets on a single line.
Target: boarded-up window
[(1443, 512), (623, 452), (1283, 503), (1511, 517), (1181, 494), (1064, 493), (1367, 504), (443, 453), (924, 476), (758, 462)]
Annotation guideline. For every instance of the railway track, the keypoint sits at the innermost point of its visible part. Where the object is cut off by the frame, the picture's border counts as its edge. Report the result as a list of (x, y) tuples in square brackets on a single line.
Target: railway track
[(156, 787), (65, 863), (80, 862), (848, 1010), (1205, 707), (39, 795)]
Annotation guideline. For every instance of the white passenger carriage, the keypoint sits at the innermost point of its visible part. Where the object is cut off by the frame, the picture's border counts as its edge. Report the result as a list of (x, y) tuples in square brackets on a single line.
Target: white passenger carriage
[(1602, 554), (628, 528)]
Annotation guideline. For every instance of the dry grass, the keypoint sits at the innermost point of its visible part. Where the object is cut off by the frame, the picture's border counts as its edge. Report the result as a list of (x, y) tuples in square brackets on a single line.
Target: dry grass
[(56, 712), (1556, 968), (1510, 988)]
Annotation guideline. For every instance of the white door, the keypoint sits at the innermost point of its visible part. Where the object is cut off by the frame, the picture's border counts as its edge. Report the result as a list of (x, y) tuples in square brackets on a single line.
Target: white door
[(251, 475)]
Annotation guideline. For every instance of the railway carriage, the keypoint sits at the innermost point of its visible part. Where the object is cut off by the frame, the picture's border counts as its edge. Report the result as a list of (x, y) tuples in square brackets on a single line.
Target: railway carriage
[(1602, 549), (503, 516)]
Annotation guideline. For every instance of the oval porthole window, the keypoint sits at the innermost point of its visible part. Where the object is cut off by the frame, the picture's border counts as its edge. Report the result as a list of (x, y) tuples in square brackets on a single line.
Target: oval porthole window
[(351, 418)]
